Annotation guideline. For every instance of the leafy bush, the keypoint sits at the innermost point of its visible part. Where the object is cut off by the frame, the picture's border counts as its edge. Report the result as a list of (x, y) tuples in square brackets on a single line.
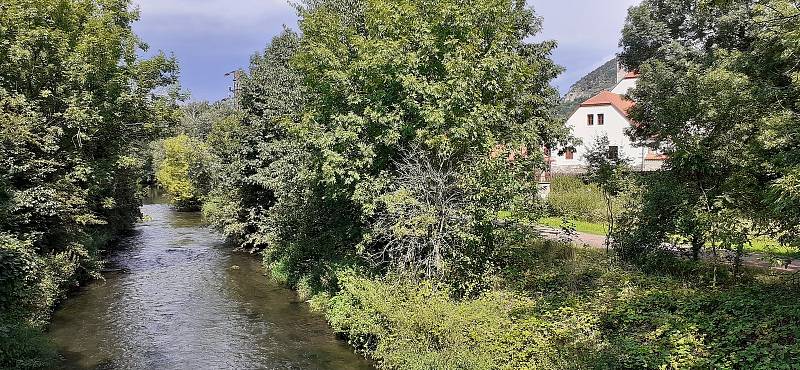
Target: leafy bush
[(182, 171), (23, 346), (570, 196), (405, 325), (558, 307)]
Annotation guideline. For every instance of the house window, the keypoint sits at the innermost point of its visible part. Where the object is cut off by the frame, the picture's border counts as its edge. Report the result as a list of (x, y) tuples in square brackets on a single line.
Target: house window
[(613, 152), (590, 119), (601, 119), (569, 154)]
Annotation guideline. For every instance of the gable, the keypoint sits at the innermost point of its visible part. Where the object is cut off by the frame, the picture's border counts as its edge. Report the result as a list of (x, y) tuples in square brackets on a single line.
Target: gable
[(612, 116), (620, 103)]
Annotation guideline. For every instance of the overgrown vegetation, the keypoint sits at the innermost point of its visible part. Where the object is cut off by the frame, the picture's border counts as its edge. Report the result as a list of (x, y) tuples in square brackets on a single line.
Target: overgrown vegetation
[(719, 93), (395, 141), (383, 162), (76, 103), (571, 197), (557, 307)]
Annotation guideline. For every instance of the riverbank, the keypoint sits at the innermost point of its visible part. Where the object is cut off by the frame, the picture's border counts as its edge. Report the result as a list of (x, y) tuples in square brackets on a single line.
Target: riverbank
[(179, 297), (32, 285), (563, 307)]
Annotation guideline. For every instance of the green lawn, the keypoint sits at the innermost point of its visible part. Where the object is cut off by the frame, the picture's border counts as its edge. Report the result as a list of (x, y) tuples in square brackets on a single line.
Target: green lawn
[(760, 245), (580, 226), (768, 246)]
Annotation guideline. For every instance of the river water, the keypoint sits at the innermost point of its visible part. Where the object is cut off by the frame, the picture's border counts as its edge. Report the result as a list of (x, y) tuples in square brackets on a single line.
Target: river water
[(182, 299)]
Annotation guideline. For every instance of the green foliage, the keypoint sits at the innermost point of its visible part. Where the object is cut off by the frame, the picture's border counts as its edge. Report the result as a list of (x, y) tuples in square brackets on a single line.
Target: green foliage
[(440, 80), (557, 307), (570, 196), (404, 325), (23, 347), (611, 173), (76, 104), (182, 169), (258, 159), (347, 129), (719, 94)]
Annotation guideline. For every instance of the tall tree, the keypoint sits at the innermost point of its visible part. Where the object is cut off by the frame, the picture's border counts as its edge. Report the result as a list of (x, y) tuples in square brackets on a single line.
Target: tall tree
[(75, 103), (446, 81), (334, 117), (719, 94)]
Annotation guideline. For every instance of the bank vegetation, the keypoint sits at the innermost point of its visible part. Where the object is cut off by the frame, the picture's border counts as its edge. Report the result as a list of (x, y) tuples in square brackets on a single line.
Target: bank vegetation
[(384, 166)]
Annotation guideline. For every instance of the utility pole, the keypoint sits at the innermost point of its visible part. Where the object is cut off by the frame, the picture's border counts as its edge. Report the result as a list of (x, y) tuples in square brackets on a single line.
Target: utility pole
[(237, 76)]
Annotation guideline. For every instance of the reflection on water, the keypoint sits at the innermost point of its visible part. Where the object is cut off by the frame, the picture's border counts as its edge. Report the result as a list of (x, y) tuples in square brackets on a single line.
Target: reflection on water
[(183, 300)]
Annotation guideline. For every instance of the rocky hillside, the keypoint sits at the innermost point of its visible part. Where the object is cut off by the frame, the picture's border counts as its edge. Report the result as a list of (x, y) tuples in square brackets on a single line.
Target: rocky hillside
[(603, 78)]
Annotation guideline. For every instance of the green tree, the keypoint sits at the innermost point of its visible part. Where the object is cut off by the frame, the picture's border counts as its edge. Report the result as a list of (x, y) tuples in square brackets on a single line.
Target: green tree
[(718, 93), (182, 171), (76, 103), (315, 168), (610, 171), (260, 159), (451, 81)]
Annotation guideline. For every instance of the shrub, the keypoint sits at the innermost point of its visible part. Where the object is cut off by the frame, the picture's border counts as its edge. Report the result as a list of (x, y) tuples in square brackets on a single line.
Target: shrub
[(23, 346), (181, 171), (27, 292), (406, 325), (570, 196), (557, 307)]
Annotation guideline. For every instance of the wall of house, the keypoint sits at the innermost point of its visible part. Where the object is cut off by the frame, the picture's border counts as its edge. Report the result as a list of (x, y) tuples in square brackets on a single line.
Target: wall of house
[(624, 85), (614, 127)]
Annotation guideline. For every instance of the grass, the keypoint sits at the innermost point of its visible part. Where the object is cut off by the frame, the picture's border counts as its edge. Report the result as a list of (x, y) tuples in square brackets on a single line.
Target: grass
[(764, 246), (587, 227), (771, 247)]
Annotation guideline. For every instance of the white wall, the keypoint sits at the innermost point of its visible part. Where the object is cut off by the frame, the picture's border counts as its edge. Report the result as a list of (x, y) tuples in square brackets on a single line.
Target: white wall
[(624, 85), (614, 127)]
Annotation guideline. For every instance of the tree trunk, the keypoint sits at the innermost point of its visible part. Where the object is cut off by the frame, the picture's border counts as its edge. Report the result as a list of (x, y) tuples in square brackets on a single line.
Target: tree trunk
[(698, 243), (610, 222), (737, 261)]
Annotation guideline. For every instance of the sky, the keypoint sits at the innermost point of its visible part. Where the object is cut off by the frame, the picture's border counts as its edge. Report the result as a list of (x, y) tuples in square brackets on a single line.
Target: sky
[(213, 37)]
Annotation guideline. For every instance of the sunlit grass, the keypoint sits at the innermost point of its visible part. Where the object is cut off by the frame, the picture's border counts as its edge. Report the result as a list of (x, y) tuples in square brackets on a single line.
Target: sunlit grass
[(760, 245), (580, 226)]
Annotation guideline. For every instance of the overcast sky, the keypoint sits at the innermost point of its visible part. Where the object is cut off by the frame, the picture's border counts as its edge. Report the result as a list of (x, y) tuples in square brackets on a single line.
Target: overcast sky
[(212, 37)]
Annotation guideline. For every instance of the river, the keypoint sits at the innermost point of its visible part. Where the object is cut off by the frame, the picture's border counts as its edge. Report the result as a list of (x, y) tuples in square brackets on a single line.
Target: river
[(182, 299)]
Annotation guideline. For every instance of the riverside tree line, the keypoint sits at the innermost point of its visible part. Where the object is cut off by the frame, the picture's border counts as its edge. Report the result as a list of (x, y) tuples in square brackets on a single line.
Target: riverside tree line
[(383, 160), (76, 106)]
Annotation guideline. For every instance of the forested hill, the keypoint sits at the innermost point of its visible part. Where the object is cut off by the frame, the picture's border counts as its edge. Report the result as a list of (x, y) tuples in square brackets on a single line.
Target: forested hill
[(602, 78)]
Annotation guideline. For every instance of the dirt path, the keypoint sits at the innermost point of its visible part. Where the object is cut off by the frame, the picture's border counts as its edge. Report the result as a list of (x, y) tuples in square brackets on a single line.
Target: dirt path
[(599, 241)]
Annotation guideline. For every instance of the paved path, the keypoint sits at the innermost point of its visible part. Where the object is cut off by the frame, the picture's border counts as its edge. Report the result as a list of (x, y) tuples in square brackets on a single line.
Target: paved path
[(751, 259)]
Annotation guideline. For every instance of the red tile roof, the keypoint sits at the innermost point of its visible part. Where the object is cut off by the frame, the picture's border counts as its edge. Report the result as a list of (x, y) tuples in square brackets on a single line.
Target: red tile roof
[(631, 74), (655, 157), (608, 98)]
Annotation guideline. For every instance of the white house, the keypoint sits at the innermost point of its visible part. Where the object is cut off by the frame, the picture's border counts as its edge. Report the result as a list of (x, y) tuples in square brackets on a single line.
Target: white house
[(605, 114)]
